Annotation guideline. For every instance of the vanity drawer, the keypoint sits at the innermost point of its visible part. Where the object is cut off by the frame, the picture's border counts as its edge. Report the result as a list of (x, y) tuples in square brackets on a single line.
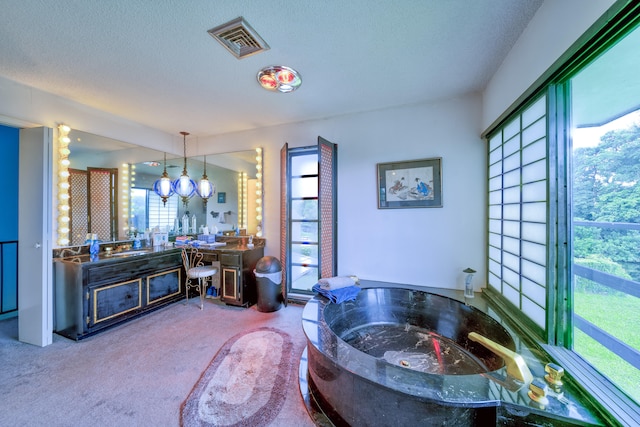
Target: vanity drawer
[(230, 259)]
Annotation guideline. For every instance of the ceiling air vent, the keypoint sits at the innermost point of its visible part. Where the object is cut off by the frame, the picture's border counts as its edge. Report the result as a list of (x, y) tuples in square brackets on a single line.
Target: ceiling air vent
[(239, 38)]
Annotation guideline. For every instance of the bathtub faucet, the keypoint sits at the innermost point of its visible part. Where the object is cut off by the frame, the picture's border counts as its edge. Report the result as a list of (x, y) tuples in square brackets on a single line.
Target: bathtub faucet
[(516, 366)]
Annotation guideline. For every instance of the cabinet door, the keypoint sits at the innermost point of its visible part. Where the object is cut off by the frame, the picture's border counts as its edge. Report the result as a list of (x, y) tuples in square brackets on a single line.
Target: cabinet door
[(111, 301), (166, 284), (230, 285)]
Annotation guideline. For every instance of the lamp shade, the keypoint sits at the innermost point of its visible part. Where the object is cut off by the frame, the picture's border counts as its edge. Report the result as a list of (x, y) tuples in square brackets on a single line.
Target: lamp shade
[(184, 186), (205, 188)]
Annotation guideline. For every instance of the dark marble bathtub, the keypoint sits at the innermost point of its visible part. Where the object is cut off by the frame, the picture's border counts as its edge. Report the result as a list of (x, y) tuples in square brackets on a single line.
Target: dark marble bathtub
[(401, 357)]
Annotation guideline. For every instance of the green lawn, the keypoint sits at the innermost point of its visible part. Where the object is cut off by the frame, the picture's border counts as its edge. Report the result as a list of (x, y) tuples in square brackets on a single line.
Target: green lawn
[(619, 315)]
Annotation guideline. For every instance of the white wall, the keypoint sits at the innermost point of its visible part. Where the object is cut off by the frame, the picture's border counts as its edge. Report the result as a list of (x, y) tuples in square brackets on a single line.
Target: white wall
[(554, 28), (424, 247)]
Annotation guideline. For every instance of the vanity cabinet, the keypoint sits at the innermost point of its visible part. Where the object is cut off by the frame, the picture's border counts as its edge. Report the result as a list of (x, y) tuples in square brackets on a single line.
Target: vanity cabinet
[(93, 295), (237, 281)]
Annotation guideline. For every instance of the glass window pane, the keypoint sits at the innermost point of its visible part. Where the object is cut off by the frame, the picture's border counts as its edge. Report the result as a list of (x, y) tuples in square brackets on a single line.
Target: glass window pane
[(303, 278), (534, 252), (304, 165), (303, 254), (512, 128), (534, 192), (534, 112), (512, 195), (535, 171), (534, 212), (535, 151), (512, 212), (512, 162), (511, 228), (495, 169), (304, 187), (304, 209), (534, 133), (304, 232), (534, 232), (511, 147), (534, 312)]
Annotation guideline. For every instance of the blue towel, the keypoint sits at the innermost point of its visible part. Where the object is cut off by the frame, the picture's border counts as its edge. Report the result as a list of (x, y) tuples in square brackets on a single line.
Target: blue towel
[(337, 296)]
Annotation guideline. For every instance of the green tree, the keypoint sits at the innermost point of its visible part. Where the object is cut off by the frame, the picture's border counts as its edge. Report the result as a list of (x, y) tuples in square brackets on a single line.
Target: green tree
[(606, 189)]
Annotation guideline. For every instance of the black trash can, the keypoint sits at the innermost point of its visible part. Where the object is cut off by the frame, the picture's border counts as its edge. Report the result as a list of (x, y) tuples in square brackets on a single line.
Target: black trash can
[(268, 274)]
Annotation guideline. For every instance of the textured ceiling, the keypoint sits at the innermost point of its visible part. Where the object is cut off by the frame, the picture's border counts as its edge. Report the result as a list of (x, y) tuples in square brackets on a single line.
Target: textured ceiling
[(153, 62)]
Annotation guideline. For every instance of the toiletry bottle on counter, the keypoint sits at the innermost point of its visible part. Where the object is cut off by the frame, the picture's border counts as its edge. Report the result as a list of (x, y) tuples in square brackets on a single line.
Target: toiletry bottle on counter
[(185, 224), (136, 242), (95, 246)]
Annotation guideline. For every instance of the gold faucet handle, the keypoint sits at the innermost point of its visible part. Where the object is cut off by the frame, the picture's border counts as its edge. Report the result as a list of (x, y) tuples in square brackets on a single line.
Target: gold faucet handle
[(554, 376), (516, 366), (538, 392)]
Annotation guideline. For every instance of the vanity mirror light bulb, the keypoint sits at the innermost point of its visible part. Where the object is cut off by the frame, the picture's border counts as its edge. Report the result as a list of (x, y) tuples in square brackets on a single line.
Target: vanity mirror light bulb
[(64, 151), (65, 162), (63, 196), (63, 242), (259, 217), (64, 219), (64, 173), (63, 185), (64, 208), (64, 230), (65, 140), (65, 128)]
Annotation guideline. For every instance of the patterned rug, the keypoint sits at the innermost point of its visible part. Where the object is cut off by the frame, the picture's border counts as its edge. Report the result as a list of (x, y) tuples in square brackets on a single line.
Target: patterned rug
[(245, 384)]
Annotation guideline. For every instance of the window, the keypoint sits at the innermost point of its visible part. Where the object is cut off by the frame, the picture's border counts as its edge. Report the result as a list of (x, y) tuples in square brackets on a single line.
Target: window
[(148, 211), (605, 201), (564, 214), (304, 219), (308, 215)]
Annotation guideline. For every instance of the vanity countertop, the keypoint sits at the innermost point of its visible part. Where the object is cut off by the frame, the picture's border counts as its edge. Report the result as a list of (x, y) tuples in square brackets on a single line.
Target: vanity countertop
[(103, 258)]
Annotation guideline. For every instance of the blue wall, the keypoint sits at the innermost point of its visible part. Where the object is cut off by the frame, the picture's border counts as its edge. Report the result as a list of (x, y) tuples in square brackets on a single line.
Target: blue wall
[(9, 152)]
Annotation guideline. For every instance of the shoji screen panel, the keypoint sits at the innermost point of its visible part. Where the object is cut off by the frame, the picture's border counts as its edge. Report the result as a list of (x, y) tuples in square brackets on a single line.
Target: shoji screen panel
[(517, 223)]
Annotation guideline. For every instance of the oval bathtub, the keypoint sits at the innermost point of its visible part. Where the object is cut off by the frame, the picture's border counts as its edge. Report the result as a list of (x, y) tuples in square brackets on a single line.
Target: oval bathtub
[(401, 357)]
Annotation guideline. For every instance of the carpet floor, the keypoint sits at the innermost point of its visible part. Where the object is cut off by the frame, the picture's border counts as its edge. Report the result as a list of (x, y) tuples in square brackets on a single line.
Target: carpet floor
[(137, 374)]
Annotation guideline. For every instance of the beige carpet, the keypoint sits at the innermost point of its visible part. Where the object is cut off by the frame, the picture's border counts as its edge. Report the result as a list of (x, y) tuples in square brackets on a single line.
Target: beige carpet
[(246, 382), (138, 374)]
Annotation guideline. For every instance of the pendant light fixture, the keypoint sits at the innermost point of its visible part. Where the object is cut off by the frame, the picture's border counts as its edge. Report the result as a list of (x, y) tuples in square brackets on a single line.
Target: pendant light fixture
[(205, 188), (184, 186), (163, 186)]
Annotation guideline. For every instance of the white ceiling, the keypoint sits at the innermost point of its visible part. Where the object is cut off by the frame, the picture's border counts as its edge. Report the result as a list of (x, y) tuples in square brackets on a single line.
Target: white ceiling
[(153, 62)]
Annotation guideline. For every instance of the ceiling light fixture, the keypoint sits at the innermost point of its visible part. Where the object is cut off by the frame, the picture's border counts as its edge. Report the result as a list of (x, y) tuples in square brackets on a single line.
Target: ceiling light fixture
[(279, 78), (205, 187), (184, 186), (163, 187)]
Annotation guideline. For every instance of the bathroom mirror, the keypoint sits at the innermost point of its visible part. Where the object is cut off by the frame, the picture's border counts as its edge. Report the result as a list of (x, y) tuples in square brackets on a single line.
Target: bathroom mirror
[(111, 191)]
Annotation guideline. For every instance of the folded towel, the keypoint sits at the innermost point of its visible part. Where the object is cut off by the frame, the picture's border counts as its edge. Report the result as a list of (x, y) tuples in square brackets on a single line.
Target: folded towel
[(337, 282), (337, 296)]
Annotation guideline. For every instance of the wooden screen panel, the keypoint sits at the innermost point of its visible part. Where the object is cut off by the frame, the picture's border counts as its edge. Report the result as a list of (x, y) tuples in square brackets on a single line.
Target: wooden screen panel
[(327, 200), (78, 208), (102, 202)]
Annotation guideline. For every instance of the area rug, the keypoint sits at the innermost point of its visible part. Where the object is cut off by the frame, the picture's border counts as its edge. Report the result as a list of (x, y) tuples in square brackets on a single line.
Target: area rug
[(245, 384)]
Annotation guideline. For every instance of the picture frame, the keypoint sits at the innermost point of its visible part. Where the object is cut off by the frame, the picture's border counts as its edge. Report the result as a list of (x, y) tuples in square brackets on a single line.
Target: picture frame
[(410, 184), (222, 197)]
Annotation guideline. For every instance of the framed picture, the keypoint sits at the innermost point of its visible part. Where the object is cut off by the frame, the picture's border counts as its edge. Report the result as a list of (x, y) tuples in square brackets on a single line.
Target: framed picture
[(222, 197), (410, 184)]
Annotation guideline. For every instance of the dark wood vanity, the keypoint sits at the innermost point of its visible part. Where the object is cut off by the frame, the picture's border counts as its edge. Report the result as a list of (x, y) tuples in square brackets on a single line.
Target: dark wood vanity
[(95, 293)]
